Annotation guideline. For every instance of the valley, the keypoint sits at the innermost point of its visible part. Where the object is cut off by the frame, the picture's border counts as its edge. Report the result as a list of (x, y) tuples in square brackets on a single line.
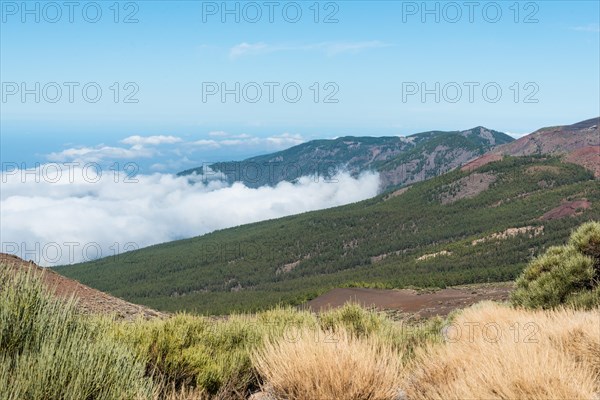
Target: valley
[(375, 243)]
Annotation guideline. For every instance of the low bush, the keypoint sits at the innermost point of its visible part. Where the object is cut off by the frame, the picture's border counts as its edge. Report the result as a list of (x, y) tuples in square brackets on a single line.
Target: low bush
[(48, 351), (214, 355), (567, 274)]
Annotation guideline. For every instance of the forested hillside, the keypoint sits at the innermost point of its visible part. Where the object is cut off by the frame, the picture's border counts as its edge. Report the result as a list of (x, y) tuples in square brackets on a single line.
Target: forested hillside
[(401, 160), (462, 227)]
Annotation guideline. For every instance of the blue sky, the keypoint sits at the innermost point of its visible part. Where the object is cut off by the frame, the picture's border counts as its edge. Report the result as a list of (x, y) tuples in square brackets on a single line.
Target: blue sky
[(368, 57)]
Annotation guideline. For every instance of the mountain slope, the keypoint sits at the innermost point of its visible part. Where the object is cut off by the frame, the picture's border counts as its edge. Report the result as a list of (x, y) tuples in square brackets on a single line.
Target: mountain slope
[(462, 227), (438, 152), (89, 301), (579, 143), (401, 160)]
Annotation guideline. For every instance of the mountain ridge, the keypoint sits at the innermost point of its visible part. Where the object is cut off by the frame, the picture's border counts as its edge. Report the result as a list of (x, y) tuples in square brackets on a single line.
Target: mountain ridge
[(579, 143), (399, 159)]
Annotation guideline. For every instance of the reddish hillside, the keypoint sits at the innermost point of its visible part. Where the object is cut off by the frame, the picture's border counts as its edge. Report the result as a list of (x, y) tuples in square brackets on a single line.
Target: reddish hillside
[(478, 162), (567, 209), (589, 157), (555, 140), (88, 300), (579, 143)]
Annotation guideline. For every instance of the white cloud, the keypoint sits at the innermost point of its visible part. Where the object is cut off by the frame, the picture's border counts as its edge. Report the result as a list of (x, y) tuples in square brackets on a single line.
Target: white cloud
[(229, 140), (151, 140), (352, 47), (138, 149), (233, 142), (54, 222), (158, 167), (593, 28), (206, 143), (176, 164), (516, 135), (218, 134), (329, 48), (228, 135), (244, 49), (100, 153), (286, 139), (177, 154)]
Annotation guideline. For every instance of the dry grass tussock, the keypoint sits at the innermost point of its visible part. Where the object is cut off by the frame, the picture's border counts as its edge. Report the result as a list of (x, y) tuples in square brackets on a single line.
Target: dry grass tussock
[(325, 365), (491, 351), (497, 352)]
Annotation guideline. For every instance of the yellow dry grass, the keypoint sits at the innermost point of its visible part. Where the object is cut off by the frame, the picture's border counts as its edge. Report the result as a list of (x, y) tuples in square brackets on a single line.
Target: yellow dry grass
[(496, 352), (325, 365), (492, 351)]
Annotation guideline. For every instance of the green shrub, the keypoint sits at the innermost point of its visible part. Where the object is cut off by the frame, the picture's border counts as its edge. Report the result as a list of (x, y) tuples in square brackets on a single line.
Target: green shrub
[(214, 355), (49, 351), (585, 299), (209, 354), (586, 239), (354, 318), (403, 336), (564, 274)]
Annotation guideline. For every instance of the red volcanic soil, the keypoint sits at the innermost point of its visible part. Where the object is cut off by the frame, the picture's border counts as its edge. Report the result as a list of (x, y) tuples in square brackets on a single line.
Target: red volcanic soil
[(425, 304), (566, 210), (90, 301), (580, 143), (481, 161), (555, 140), (588, 157)]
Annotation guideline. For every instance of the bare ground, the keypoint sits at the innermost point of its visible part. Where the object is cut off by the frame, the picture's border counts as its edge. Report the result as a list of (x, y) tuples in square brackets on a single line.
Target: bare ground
[(567, 209), (417, 303), (467, 187), (89, 301), (587, 157)]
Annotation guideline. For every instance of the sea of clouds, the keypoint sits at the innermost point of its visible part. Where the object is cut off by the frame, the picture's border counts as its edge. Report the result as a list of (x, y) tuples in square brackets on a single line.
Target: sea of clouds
[(61, 218)]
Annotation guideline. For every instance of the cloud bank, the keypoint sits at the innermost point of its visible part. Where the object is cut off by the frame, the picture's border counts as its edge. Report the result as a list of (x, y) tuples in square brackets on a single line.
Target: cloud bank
[(151, 140), (72, 219), (173, 153)]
